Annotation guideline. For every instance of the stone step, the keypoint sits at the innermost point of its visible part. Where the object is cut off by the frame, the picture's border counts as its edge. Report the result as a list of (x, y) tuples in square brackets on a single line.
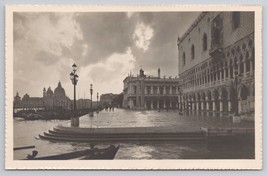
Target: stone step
[(167, 135), (67, 133), (89, 139), (126, 130)]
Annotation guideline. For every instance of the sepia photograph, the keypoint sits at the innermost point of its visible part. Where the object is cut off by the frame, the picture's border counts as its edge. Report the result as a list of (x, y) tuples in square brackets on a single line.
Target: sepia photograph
[(133, 88)]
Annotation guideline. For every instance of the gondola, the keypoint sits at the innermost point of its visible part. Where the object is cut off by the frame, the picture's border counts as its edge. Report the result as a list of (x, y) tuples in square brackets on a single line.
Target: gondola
[(88, 154)]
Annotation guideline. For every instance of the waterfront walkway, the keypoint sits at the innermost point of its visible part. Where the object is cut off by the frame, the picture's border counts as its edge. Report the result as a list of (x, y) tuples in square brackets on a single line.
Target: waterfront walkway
[(121, 118), (127, 125)]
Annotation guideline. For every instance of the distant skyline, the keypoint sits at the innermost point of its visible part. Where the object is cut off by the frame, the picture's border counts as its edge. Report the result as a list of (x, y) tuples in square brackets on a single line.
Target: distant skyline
[(105, 46)]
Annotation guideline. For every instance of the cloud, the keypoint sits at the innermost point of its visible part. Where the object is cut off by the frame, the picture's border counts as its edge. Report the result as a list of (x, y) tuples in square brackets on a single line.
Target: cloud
[(105, 34), (39, 41), (162, 51), (105, 46), (142, 36), (106, 76)]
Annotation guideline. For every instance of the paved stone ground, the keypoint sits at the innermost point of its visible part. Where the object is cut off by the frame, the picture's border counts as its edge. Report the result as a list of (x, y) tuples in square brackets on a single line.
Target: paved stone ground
[(192, 121)]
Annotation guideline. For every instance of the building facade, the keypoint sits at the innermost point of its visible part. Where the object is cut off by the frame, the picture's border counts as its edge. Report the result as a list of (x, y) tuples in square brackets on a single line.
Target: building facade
[(106, 100), (217, 63), (150, 92), (50, 100), (56, 99), (27, 102)]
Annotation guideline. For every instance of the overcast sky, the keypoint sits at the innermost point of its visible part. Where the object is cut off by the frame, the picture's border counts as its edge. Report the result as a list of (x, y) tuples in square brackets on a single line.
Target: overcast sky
[(104, 46)]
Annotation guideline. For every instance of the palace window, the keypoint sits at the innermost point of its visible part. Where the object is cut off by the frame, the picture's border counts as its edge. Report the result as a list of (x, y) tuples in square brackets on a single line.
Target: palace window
[(216, 32), (204, 42), (192, 52), (183, 58), (235, 20)]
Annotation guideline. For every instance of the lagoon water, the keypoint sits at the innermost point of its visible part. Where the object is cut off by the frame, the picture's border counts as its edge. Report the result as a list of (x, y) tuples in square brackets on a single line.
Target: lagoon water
[(26, 133)]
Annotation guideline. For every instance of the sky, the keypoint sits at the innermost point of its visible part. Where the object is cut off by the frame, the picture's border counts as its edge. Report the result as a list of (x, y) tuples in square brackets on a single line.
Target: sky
[(106, 47)]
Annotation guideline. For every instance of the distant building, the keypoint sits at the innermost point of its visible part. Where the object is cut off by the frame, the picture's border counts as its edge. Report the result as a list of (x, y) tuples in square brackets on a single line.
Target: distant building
[(56, 99), (83, 103), (17, 101), (149, 92), (50, 100), (28, 102), (107, 99), (217, 63)]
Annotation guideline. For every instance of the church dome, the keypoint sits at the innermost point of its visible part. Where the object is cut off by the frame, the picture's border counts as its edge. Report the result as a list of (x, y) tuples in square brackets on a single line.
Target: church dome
[(59, 91)]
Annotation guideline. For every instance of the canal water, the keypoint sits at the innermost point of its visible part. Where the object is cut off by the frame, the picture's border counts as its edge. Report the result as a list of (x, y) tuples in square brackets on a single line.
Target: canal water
[(26, 133)]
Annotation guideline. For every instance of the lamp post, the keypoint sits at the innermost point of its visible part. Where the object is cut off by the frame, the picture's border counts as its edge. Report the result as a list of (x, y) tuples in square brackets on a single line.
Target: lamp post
[(97, 103), (91, 92), (158, 103), (180, 93), (74, 79)]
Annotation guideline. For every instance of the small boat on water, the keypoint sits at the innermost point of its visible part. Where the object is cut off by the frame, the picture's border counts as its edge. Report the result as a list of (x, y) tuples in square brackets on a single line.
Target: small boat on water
[(88, 154)]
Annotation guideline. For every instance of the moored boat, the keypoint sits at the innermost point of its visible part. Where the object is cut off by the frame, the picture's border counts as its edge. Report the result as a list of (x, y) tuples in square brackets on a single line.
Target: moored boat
[(88, 154)]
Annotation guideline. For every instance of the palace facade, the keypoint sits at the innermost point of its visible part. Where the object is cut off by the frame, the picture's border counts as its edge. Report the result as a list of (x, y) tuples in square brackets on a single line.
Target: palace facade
[(150, 92), (217, 63)]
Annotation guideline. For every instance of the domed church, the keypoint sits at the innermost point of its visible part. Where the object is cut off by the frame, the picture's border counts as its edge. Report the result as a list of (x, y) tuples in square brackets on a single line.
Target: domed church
[(56, 100)]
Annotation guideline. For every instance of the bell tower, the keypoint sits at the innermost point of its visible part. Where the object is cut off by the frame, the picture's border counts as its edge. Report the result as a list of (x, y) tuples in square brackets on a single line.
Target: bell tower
[(44, 92)]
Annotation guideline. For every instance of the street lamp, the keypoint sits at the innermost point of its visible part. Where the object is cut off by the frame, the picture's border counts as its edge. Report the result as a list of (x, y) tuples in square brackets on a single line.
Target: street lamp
[(180, 93), (74, 79), (158, 102), (97, 103), (91, 92)]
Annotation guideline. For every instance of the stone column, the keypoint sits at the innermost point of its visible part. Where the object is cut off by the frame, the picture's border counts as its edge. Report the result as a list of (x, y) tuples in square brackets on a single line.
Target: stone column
[(131, 104), (251, 67), (229, 105), (221, 106), (245, 68), (158, 90), (238, 67), (170, 90), (202, 105), (145, 104), (220, 73), (158, 104), (164, 103), (213, 106), (197, 103), (151, 90), (229, 71), (207, 104), (164, 90), (151, 105), (193, 105), (145, 90), (170, 104), (224, 73)]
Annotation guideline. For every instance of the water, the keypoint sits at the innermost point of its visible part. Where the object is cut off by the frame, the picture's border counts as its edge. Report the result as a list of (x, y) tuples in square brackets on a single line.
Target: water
[(26, 133)]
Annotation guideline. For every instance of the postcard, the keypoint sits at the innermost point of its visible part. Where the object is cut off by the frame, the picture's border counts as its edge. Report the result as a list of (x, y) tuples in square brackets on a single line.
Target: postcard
[(148, 87)]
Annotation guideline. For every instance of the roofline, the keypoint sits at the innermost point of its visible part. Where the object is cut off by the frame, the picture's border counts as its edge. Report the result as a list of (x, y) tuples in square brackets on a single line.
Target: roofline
[(195, 22)]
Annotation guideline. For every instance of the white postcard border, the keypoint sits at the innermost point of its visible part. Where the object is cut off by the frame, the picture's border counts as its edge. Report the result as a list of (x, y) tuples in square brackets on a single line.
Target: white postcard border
[(181, 164)]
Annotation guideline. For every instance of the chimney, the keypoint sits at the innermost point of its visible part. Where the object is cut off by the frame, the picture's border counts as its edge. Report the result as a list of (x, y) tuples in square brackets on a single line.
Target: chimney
[(159, 72)]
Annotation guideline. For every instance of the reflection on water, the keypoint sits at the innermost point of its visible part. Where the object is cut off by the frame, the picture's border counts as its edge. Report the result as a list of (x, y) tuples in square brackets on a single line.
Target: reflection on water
[(26, 133)]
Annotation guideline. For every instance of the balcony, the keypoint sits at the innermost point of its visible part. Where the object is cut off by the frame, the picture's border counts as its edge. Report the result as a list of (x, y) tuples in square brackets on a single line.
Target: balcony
[(216, 37)]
